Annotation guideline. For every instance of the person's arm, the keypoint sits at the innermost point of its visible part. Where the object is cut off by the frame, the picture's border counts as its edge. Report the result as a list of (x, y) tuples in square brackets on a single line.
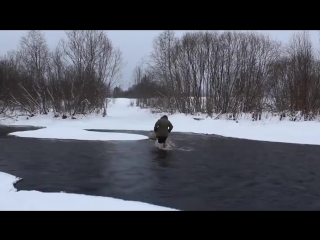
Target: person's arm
[(156, 126), (170, 127)]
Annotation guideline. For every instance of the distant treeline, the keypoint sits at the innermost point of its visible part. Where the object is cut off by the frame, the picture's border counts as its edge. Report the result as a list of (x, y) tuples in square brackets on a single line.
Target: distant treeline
[(75, 78), (229, 72)]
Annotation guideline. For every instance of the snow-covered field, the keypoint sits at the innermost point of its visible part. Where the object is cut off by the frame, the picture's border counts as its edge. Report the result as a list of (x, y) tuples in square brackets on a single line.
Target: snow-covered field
[(11, 199), (121, 116)]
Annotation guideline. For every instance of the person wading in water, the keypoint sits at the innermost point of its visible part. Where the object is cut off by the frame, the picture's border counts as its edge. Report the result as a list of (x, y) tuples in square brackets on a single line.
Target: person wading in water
[(162, 128)]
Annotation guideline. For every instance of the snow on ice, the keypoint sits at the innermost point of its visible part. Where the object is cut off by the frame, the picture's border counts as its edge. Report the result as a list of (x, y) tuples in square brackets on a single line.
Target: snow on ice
[(76, 134), (11, 199)]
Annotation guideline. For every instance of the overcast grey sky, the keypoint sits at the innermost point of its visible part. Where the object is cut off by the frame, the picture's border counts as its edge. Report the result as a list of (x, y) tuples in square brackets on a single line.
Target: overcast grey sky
[(134, 44)]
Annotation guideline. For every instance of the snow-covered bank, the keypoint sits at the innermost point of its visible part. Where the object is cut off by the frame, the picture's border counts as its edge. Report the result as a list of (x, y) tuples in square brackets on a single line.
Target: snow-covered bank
[(10, 199), (76, 134), (6, 182), (122, 116)]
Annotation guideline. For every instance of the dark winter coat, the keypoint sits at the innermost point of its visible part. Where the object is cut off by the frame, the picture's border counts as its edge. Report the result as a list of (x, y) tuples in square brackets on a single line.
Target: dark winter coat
[(163, 127)]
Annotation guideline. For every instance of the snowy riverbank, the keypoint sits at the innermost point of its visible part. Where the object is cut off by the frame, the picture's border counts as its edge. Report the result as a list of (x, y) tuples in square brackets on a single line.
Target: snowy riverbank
[(122, 116)]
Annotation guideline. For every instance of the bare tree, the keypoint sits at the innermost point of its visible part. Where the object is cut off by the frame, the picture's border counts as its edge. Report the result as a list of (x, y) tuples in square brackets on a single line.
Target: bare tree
[(296, 79), (213, 72), (34, 57), (96, 65)]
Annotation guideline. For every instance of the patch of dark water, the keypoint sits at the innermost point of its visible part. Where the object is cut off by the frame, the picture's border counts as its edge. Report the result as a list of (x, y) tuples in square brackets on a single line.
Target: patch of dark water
[(218, 174)]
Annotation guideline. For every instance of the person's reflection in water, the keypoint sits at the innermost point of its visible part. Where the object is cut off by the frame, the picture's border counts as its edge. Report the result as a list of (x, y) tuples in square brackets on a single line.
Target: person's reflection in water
[(161, 158)]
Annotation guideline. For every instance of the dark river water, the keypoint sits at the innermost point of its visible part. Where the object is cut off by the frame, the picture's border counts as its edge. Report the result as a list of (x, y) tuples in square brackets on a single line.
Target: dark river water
[(203, 172)]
